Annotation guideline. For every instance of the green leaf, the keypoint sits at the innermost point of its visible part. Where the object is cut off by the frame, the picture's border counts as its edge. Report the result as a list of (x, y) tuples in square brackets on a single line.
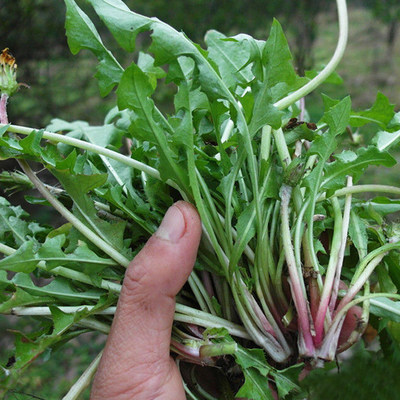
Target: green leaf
[(21, 298), (382, 205), (286, 379), (354, 164), (358, 234), (167, 44), (385, 308), (59, 288), (77, 186), (31, 143), (252, 358), (11, 222), (118, 18), (23, 260), (146, 63), (386, 140), (278, 59), (232, 56), (246, 230), (30, 347), (26, 258), (338, 116), (386, 284), (394, 124), (63, 321), (82, 34), (380, 113), (134, 92), (264, 112), (279, 79), (255, 386), (334, 78)]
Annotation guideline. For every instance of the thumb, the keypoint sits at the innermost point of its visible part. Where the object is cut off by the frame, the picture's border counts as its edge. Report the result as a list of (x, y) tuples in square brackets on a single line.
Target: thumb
[(136, 363)]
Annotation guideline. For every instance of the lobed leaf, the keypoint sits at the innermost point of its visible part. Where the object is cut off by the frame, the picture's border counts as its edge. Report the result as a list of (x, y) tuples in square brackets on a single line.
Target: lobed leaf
[(82, 34), (232, 57), (354, 164)]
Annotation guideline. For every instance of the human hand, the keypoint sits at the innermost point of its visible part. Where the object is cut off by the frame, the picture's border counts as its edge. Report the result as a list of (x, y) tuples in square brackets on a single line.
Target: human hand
[(136, 362)]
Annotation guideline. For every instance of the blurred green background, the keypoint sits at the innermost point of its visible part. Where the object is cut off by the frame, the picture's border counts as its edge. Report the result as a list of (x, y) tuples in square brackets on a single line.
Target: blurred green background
[(61, 86)]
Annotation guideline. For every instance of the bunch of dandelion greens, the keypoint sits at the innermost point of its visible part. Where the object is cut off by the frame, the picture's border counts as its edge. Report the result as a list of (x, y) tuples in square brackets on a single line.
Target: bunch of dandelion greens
[(282, 279)]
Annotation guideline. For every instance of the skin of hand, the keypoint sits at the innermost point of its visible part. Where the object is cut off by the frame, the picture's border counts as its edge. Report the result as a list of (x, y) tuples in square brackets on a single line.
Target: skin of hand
[(136, 362)]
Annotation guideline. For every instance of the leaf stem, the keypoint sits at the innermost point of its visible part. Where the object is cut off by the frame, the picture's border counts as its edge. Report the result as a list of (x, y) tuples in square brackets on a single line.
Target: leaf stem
[(68, 273), (81, 144), (330, 67), (330, 272), (362, 189), (3, 109), (358, 284), (327, 350), (82, 228), (306, 344), (84, 381), (345, 229), (182, 314)]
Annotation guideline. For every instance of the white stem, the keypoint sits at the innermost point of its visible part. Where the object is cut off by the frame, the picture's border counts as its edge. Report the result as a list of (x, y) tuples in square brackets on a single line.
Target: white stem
[(362, 189), (93, 148), (345, 229), (84, 381), (182, 314), (330, 67), (82, 228)]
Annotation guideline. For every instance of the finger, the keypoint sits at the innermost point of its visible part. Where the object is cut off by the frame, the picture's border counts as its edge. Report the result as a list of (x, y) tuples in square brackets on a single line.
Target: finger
[(136, 361)]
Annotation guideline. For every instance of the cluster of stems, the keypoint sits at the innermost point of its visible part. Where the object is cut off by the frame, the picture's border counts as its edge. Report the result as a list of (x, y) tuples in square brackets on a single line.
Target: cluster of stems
[(281, 302)]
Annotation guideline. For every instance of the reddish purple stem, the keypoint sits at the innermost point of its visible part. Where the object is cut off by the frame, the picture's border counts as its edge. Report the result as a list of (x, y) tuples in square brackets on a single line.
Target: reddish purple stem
[(3, 109)]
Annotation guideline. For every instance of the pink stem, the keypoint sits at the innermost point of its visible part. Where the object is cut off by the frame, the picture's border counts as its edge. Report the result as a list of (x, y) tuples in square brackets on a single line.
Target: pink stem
[(3, 109), (306, 343)]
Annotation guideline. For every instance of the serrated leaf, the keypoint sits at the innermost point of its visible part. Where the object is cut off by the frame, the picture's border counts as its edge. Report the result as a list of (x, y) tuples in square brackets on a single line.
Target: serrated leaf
[(11, 222), (280, 78), (264, 111), (60, 288), (338, 116), (78, 186), (117, 16), (255, 386), (252, 358), (167, 44), (146, 63), (386, 140), (287, 379), (82, 34), (394, 124), (278, 58), (133, 93), (381, 113), (23, 260), (22, 298), (284, 384), (30, 347), (335, 172), (63, 321), (231, 55)]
